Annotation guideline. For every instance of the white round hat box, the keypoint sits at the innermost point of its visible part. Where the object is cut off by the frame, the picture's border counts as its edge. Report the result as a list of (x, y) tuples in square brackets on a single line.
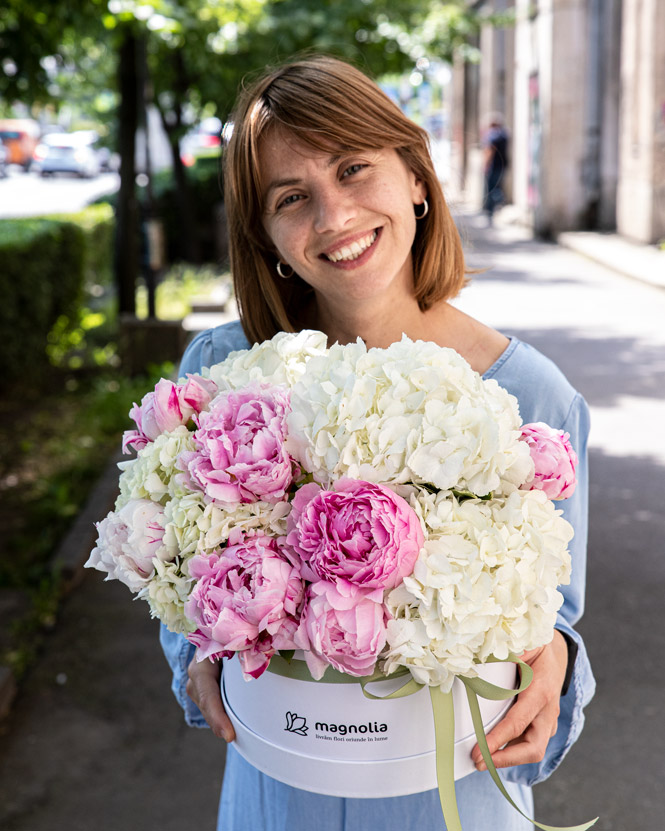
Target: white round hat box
[(329, 738)]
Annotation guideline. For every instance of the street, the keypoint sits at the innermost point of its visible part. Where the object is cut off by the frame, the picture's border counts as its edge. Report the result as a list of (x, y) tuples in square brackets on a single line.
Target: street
[(27, 194), (96, 739)]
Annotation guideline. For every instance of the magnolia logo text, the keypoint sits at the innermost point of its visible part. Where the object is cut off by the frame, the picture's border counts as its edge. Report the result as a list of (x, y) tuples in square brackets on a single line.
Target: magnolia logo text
[(343, 729), (296, 724)]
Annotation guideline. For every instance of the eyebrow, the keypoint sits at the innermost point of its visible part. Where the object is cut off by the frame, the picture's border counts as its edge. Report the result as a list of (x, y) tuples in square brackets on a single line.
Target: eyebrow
[(287, 183)]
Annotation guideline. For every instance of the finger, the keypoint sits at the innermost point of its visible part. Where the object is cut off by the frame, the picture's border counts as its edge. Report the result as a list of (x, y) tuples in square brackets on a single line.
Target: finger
[(534, 736), (203, 688), (528, 748), (513, 725), (532, 704)]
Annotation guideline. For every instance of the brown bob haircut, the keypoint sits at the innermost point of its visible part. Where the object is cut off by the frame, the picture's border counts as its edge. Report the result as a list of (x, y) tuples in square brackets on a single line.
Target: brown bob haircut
[(326, 104)]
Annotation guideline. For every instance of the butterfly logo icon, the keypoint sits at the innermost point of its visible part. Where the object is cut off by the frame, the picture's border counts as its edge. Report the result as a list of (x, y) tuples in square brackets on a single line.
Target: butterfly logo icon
[(296, 724)]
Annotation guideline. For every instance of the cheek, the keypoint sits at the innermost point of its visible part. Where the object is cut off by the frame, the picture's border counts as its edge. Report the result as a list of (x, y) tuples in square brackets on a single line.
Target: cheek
[(291, 243), (287, 241)]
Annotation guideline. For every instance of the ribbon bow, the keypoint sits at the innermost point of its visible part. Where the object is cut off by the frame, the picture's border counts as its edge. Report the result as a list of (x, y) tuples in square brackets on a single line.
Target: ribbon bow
[(444, 725)]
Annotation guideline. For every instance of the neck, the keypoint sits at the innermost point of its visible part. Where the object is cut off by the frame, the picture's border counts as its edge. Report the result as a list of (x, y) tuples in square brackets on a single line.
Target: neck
[(376, 329), (443, 324)]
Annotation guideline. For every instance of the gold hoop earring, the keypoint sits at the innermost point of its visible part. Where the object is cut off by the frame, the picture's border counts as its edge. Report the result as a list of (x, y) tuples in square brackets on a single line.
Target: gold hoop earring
[(281, 273), (425, 206)]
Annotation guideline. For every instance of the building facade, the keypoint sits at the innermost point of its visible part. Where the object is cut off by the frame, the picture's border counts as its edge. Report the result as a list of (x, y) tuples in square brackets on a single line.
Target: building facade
[(581, 84)]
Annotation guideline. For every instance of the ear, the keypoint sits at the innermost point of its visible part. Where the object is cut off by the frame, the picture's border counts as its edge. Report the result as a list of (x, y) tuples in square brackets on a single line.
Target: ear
[(418, 190)]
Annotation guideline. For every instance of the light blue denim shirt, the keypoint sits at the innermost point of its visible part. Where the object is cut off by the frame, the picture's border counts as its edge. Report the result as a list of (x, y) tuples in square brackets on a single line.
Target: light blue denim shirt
[(544, 395)]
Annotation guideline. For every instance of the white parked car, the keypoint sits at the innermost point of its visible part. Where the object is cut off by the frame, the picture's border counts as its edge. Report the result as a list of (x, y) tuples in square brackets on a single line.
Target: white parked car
[(68, 153)]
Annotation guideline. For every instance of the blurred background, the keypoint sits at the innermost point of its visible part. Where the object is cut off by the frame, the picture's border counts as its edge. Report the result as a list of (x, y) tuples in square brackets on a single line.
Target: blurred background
[(113, 253)]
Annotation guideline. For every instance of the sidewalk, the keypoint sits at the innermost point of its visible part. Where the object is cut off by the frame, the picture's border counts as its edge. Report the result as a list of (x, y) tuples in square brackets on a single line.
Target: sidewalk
[(638, 261)]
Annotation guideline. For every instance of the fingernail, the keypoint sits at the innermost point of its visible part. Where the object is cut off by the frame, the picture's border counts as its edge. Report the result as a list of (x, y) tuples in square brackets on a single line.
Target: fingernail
[(481, 766)]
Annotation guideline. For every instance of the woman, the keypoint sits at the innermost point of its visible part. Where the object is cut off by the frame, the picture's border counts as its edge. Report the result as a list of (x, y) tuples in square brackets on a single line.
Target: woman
[(338, 223)]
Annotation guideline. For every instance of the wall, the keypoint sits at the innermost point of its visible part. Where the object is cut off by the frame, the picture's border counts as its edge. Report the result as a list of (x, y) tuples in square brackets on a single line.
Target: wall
[(641, 190)]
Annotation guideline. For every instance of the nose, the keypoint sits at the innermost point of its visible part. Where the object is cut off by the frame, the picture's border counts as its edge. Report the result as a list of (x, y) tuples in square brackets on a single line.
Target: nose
[(334, 208)]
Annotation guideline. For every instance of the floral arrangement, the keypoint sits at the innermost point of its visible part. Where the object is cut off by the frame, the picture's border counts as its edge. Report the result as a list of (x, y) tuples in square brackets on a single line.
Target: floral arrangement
[(374, 508)]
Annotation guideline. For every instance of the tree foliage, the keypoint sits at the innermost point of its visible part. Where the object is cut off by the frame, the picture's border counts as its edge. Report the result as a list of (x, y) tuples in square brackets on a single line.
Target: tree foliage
[(36, 41), (199, 50)]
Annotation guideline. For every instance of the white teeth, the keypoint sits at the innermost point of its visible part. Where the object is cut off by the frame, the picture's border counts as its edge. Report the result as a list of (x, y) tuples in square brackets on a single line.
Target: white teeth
[(354, 250)]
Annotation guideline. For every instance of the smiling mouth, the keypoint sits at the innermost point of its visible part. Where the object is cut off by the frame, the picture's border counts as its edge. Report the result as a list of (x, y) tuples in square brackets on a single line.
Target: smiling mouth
[(348, 253)]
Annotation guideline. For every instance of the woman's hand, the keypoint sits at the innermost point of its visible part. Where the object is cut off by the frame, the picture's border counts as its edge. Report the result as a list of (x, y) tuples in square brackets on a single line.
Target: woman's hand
[(203, 688), (532, 720)]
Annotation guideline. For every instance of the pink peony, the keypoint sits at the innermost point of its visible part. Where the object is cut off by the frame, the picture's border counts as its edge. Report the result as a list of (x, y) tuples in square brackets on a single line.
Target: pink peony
[(241, 455), (554, 459), (360, 532), (169, 406), (341, 626), (128, 542), (246, 600)]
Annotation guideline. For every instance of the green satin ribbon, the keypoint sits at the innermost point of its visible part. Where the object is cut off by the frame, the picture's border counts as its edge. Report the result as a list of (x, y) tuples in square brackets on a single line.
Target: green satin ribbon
[(444, 724)]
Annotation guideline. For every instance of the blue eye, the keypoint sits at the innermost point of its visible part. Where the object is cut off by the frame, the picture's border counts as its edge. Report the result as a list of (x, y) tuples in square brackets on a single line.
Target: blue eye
[(289, 200), (354, 168)]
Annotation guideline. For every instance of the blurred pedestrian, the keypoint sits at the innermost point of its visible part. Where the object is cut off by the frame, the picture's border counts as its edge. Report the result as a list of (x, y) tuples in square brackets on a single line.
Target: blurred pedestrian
[(495, 164)]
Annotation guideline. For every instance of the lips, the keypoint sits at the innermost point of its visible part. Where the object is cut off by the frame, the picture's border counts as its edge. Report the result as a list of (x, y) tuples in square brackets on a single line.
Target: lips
[(350, 251)]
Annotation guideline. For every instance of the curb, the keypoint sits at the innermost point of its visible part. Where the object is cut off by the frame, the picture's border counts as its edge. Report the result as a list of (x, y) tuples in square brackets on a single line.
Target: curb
[(75, 547), (70, 556), (641, 262)]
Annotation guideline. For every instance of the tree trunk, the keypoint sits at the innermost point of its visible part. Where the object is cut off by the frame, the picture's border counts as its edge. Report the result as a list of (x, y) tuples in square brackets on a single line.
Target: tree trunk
[(127, 231), (189, 243)]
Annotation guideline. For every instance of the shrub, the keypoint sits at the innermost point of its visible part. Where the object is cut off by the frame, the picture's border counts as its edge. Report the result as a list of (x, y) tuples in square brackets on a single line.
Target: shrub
[(45, 265)]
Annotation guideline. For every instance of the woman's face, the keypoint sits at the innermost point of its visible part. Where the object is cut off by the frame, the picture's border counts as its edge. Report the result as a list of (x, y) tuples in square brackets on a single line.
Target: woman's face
[(344, 222)]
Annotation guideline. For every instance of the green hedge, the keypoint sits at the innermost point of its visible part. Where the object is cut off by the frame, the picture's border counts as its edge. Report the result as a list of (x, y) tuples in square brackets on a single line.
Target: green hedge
[(98, 226), (45, 263)]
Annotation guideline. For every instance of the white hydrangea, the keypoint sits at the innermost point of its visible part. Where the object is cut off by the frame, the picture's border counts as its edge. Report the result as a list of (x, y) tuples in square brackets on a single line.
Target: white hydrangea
[(166, 594), (485, 584), (153, 473), (414, 412), (184, 524), (280, 360), (217, 522)]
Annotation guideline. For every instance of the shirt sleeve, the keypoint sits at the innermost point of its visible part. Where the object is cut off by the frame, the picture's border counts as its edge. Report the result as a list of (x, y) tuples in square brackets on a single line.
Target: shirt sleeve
[(582, 684), (179, 653)]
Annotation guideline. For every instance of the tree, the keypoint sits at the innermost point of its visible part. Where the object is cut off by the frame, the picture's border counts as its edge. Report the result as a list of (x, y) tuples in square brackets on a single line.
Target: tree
[(34, 41)]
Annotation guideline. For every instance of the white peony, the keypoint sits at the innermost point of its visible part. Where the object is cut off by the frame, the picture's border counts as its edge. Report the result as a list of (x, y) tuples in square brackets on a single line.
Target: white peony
[(129, 542), (485, 584)]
